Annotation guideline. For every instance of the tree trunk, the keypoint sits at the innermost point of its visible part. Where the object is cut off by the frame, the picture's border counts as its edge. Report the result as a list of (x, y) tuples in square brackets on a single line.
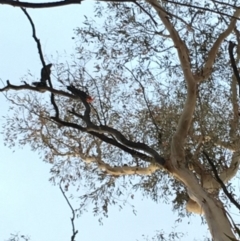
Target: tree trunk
[(215, 214)]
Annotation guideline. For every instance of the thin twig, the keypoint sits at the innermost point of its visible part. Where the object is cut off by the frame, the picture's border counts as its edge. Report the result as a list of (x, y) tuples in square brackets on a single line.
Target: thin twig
[(145, 98), (74, 232), (145, 11), (201, 8)]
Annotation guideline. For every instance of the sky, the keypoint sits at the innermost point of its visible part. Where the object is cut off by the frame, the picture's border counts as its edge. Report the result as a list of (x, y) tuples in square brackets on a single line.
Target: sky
[(29, 203)]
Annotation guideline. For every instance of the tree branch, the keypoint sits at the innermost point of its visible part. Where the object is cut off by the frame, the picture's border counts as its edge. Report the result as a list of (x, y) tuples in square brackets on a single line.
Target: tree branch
[(108, 140), (233, 133), (39, 5), (64, 3), (39, 47), (74, 232), (97, 130), (118, 171), (231, 198), (128, 170), (233, 63), (102, 129), (207, 69), (149, 15), (37, 89), (183, 54)]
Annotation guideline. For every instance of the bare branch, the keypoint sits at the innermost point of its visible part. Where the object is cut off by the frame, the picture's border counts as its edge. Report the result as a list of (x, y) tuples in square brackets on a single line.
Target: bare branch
[(97, 130), (150, 16), (39, 5), (234, 121), (35, 37), (74, 232), (231, 198), (224, 3), (108, 140), (37, 89), (42, 59), (64, 3), (102, 129), (233, 63)]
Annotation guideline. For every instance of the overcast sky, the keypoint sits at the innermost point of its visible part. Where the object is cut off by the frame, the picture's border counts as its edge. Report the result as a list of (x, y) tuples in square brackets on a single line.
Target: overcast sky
[(31, 205)]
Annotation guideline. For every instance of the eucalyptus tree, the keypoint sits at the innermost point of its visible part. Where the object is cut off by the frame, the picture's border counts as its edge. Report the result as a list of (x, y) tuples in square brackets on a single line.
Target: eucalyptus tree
[(164, 111)]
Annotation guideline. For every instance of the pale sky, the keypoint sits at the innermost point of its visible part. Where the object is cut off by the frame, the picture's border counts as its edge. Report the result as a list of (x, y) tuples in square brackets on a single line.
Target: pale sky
[(29, 203)]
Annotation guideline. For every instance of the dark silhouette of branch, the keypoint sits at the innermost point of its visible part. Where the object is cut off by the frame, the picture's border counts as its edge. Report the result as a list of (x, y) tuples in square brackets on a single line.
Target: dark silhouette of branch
[(45, 68), (103, 129), (149, 15), (74, 232), (98, 131), (51, 4), (39, 5), (231, 198), (68, 2), (233, 63), (64, 3), (9, 86), (108, 140), (224, 3)]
